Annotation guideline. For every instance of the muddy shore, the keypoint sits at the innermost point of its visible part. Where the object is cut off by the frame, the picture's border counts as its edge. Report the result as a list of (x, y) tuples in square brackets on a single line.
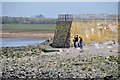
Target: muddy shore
[(27, 34), (96, 60)]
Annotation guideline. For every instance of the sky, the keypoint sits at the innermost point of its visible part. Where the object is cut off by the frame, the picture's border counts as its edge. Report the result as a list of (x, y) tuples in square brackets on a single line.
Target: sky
[(52, 9), (60, 0)]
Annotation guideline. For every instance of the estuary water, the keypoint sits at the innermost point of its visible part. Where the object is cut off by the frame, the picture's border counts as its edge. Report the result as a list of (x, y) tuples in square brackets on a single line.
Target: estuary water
[(15, 42)]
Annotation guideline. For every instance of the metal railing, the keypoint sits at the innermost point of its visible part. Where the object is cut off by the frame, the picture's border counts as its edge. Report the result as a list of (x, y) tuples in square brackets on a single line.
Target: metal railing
[(88, 17)]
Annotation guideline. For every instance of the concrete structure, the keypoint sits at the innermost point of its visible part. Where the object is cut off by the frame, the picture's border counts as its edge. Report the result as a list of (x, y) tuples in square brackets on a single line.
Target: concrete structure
[(90, 27)]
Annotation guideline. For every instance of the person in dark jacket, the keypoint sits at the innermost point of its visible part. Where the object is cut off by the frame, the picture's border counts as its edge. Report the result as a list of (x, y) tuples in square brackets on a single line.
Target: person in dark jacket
[(81, 42), (75, 40)]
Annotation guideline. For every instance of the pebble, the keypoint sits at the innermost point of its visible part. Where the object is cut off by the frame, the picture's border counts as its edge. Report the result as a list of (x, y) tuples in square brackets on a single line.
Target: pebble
[(43, 66)]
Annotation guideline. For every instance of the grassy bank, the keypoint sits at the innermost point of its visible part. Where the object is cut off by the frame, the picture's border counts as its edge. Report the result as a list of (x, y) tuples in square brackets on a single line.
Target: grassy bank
[(28, 28)]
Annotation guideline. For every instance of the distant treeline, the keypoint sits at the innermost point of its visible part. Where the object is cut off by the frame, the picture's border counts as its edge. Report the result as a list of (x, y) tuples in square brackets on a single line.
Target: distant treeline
[(28, 20)]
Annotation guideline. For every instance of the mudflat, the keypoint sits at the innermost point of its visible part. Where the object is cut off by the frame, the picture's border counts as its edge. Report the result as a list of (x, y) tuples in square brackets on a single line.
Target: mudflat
[(27, 34)]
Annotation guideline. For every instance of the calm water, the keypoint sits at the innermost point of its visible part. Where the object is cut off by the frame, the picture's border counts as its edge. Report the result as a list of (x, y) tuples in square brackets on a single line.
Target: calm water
[(14, 42)]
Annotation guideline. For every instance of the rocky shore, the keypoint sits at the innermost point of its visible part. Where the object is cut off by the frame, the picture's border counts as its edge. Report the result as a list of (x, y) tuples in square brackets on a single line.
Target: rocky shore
[(96, 60)]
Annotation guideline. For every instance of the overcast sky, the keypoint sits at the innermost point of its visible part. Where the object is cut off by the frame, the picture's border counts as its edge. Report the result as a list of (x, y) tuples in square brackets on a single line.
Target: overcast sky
[(52, 9)]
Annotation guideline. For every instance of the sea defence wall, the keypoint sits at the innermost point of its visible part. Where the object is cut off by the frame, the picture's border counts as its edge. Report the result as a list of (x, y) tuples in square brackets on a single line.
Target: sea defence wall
[(62, 34), (94, 31), (90, 29)]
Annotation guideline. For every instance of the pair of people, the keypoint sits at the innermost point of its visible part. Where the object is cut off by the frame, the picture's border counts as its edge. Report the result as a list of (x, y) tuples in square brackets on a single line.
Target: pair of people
[(78, 43)]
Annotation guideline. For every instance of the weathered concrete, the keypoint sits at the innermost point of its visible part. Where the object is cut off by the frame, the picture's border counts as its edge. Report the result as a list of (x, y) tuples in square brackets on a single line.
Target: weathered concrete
[(89, 31), (62, 34)]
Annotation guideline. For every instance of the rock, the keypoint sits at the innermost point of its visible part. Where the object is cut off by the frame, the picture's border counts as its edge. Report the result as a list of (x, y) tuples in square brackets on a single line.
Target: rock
[(54, 63), (109, 78), (109, 46), (50, 50), (109, 43), (111, 50)]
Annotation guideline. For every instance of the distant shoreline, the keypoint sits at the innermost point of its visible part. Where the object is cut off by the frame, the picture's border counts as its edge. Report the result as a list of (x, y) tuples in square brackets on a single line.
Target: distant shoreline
[(26, 34)]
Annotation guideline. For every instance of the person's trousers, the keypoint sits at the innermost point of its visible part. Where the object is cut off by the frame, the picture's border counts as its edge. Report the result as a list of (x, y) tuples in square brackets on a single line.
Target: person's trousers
[(80, 45), (76, 44)]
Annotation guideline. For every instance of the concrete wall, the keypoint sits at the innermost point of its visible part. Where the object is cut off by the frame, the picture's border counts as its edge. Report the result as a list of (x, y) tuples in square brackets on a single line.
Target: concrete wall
[(89, 31), (94, 31), (62, 34)]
